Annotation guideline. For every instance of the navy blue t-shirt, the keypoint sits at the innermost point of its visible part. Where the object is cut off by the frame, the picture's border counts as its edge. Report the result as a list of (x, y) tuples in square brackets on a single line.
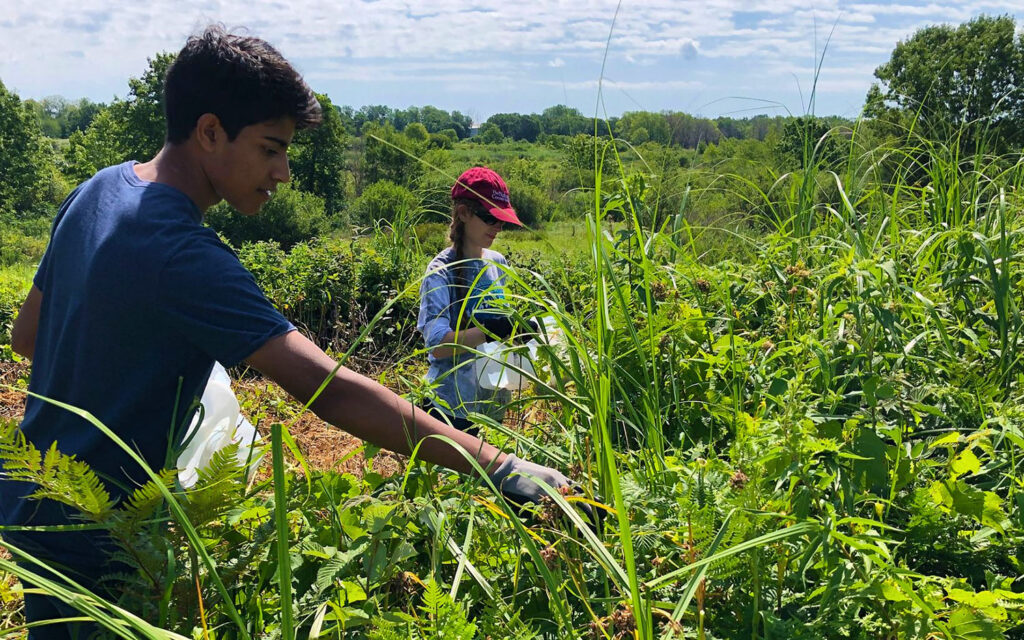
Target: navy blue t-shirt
[(138, 298)]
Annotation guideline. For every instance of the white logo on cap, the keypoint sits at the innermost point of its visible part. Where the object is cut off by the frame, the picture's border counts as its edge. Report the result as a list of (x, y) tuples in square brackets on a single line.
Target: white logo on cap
[(499, 196)]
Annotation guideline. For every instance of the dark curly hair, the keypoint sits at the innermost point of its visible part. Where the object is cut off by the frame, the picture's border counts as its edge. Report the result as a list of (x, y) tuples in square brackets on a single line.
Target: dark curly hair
[(240, 79)]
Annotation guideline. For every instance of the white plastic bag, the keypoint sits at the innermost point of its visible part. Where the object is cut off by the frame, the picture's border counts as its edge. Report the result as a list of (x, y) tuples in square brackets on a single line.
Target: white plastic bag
[(499, 365), (222, 424)]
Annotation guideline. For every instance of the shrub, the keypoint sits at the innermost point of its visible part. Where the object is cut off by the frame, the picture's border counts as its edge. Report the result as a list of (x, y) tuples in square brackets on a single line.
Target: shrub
[(416, 131), (530, 201), (289, 217), (432, 237), (382, 201), (17, 247)]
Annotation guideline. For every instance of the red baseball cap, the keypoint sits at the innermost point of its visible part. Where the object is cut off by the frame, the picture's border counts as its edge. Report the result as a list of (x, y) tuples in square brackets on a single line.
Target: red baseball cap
[(486, 187)]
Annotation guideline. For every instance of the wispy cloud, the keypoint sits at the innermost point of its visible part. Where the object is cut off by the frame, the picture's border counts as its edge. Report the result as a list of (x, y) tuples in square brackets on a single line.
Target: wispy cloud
[(486, 54)]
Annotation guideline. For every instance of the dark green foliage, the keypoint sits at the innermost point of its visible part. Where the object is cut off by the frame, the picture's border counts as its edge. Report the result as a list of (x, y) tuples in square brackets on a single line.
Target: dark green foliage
[(289, 217), (565, 121), (317, 158), (489, 133), (382, 201), (517, 126), (642, 126), (957, 81), (389, 155), (129, 129), (29, 182), (809, 140), (531, 203), (60, 117)]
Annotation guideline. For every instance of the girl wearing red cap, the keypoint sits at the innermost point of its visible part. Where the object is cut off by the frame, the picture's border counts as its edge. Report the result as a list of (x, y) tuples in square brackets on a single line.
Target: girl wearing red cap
[(457, 299)]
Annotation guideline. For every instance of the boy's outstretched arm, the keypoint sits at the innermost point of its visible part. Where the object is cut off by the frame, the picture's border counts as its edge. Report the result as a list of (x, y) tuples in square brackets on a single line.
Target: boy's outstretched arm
[(363, 407)]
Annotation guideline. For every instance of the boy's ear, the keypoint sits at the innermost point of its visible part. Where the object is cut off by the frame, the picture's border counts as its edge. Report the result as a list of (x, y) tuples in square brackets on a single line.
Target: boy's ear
[(209, 131)]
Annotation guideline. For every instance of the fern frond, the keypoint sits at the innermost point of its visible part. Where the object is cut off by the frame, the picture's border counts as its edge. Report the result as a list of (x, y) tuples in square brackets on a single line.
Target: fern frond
[(218, 487)]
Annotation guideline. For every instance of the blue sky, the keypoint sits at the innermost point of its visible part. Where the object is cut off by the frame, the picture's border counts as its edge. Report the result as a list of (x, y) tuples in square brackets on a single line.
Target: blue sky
[(709, 57)]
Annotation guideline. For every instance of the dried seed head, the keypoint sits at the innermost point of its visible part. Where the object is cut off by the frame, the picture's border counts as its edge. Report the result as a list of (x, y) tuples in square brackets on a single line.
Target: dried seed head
[(659, 290), (702, 285), (547, 512), (793, 290), (549, 556), (767, 345), (623, 621), (738, 480)]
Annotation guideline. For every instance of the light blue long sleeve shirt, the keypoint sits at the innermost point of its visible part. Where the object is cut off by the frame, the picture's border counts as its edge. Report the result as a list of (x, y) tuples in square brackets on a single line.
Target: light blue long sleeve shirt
[(458, 385)]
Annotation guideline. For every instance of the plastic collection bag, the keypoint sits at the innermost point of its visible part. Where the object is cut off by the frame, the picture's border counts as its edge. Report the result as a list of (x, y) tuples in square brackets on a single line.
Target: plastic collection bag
[(222, 424), (503, 367)]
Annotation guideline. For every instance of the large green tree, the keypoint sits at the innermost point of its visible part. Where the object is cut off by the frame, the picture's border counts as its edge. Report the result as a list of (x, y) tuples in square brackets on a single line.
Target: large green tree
[(129, 129), (29, 181), (318, 158), (517, 126), (565, 121), (389, 155), (947, 80)]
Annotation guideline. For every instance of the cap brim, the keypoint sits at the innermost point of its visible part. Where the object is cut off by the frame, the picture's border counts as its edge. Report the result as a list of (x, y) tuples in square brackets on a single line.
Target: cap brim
[(505, 215)]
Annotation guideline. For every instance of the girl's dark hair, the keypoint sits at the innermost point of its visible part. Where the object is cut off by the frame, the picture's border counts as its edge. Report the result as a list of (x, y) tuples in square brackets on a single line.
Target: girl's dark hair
[(240, 79)]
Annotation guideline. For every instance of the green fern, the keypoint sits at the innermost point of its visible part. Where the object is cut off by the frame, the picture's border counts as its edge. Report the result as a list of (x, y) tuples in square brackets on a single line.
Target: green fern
[(58, 477), (444, 618), (218, 488)]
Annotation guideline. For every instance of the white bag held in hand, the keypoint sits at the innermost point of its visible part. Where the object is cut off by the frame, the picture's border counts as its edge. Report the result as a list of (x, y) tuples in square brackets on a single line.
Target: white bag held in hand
[(222, 424), (499, 367)]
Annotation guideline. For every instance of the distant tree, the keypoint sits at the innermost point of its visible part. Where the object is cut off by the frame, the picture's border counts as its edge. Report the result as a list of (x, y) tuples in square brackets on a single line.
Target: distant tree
[(129, 129), (142, 112), (318, 158), (28, 176), (376, 113), (563, 120), (389, 155), (60, 117), (688, 131), (810, 140), (968, 76), (640, 126), (402, 118), (416, 131), (490, 133), (461, 123), (517, 126)]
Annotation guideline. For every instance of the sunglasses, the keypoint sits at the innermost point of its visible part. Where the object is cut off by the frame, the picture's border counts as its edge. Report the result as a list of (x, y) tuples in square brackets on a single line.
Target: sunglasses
[(485, 216)]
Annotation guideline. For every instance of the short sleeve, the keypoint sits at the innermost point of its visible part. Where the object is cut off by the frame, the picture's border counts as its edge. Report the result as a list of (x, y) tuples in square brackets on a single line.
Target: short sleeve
[(40, 278), (205, 294), (435, 299)]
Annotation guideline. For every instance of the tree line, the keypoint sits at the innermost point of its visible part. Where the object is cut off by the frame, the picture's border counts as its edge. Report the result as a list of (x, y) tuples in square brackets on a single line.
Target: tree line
[(950, 82)]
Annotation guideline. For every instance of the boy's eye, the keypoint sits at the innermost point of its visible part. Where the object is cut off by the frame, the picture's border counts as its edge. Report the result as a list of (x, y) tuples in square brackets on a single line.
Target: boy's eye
[(270, 152)]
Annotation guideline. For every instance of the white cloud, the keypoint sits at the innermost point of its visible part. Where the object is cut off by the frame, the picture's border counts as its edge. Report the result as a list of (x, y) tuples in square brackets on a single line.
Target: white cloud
[(77, 46)]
